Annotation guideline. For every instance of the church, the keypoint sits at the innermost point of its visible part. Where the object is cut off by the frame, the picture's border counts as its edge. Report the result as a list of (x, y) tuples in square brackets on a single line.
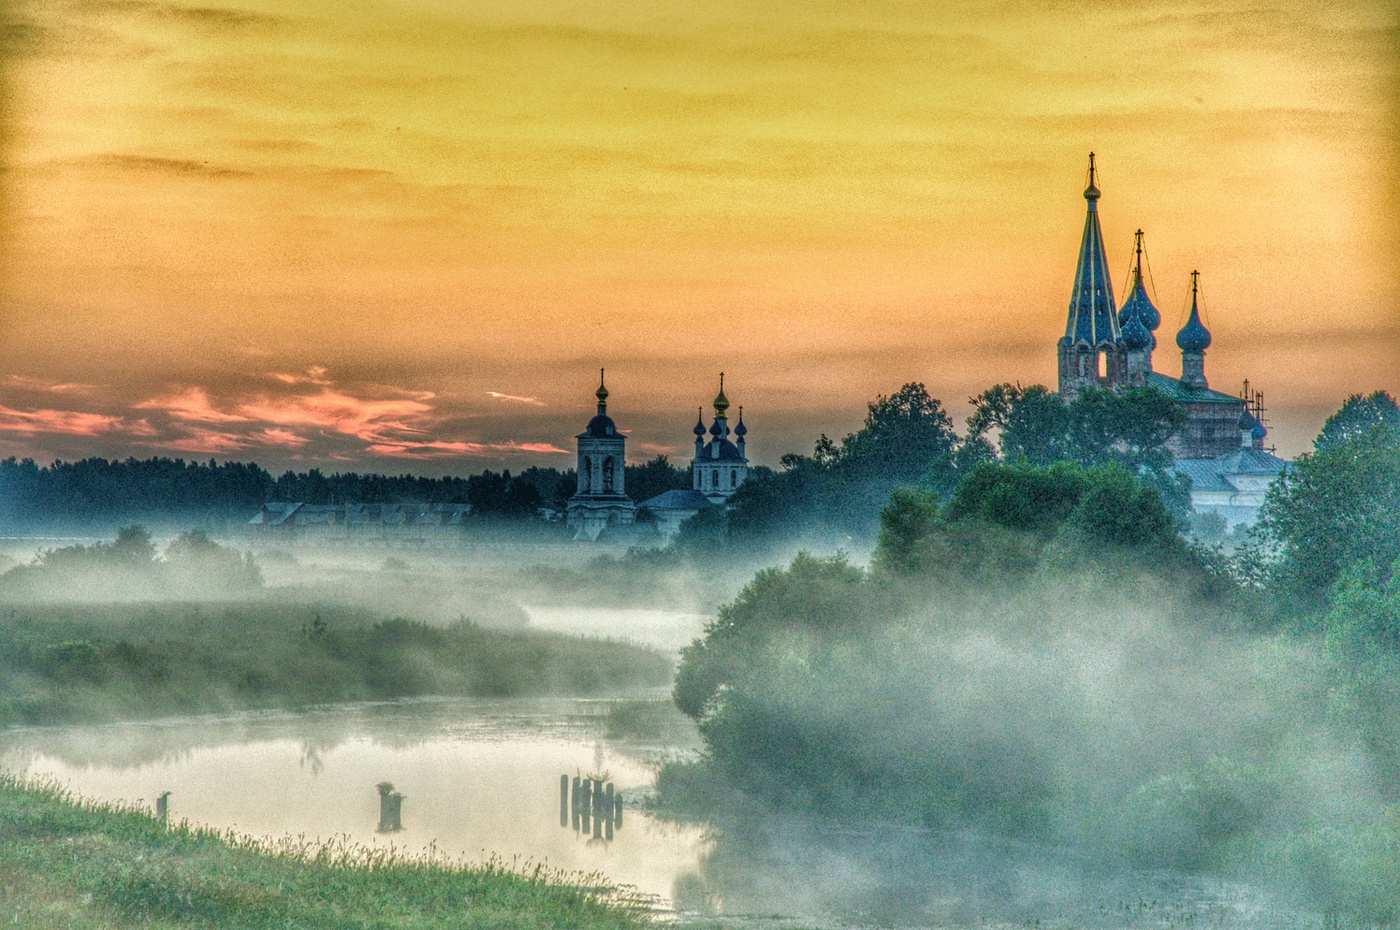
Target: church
[(1105, 346), (600, 502)]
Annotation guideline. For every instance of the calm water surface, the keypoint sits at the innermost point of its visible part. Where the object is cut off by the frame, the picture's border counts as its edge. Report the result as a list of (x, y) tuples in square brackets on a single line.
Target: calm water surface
[(480, 777)]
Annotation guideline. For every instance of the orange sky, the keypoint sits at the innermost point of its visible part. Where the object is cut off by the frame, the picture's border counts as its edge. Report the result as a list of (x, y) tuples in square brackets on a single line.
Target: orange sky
[(404, 235)]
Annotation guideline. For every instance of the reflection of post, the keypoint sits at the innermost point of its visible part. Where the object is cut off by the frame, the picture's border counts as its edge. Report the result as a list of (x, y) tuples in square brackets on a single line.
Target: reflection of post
[(617, 809), (585, 804), (563, 800), (163, 807), (390, 808), (608, 803)]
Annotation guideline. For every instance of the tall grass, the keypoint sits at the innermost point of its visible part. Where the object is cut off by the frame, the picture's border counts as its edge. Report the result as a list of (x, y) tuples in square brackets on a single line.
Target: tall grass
[(70, 863)]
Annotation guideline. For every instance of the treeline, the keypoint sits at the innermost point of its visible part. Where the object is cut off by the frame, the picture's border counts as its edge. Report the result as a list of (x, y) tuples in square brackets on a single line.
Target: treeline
[(102, 492), (1039, 654)]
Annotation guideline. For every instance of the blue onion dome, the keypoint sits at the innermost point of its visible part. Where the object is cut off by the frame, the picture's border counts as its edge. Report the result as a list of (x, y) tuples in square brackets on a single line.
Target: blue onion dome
[(1135, 335), (1139, 305), (1246, 422), (699, 424), (1194, 337), (716, 429), (741, 429), (1259, 432)]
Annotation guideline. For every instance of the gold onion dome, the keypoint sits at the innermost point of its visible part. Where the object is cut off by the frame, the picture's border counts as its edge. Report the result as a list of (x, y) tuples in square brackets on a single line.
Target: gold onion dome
[(602, 392), (721, 402)]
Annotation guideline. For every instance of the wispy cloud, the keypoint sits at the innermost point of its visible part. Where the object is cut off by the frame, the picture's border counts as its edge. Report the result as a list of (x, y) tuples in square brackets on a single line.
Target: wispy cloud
[(191, 405), (337, 411), (442, 449), (206, 442), (316, 374), (65, 422), (276, 436), (516, 399), (44, 385)]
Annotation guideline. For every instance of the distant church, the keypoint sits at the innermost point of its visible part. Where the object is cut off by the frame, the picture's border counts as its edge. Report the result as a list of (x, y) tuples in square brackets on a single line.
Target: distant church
[(601, 503), (1222, 445), (719, 467)]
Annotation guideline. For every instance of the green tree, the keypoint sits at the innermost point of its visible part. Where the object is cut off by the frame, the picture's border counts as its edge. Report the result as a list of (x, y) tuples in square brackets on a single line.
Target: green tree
[(1356, 417), (1129, 427), (656, 476), (908, 519), (1333, 508)]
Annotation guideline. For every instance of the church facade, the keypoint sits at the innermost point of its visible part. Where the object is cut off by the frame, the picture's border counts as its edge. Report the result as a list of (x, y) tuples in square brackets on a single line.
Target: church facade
[(1106, 346)]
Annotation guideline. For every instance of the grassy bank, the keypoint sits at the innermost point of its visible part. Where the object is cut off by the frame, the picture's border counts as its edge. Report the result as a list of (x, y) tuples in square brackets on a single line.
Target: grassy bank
[(68, 864), (87, 663)]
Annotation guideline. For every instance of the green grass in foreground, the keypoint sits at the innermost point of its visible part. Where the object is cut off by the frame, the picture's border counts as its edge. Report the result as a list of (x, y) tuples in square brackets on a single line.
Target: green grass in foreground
[(80, 865)]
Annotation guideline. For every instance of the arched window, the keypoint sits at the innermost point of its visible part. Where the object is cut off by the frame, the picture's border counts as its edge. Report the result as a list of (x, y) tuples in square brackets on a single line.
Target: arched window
[(607, 475), (714, 479), (1103, 365), (733, 477)]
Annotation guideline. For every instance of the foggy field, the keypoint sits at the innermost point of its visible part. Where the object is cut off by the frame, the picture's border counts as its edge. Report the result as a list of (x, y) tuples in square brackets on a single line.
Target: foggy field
[(110, 662), (83, 866)]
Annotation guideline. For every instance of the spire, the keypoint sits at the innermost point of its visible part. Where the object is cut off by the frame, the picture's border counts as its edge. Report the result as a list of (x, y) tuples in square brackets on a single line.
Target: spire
[(602, 393), (1092, 319)]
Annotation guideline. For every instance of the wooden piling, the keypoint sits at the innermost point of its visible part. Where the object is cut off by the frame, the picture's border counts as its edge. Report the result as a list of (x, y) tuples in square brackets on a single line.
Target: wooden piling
[(617, 809), (390, 808), (563, 800), (163, 807)]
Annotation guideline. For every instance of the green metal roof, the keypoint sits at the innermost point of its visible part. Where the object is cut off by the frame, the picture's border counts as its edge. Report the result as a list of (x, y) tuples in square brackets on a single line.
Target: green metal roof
[(1177, 391)]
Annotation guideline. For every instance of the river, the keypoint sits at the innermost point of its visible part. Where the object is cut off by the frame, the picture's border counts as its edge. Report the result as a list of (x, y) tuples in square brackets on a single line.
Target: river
[(480, 778)]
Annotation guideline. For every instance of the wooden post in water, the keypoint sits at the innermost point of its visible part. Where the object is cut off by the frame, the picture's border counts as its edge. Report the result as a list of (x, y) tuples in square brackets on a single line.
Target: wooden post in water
[(563, 800), (163, 807), (390, 808), (585, 804), (617, 809)]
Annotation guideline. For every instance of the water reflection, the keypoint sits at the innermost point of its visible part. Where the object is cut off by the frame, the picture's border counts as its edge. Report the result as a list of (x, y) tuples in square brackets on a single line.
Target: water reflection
[(592, 800), (474, 778)]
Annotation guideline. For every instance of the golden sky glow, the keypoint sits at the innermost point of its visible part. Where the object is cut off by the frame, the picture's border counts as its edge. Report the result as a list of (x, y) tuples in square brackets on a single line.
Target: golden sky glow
[(352, 234)]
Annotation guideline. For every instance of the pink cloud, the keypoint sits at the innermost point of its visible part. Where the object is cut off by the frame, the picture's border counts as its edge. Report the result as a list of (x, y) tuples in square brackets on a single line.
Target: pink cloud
[(440, 449), (276, 436), (192, 406), (517, 399), (207, 442), (67, 422), (316, 375), (26, 383), (368, 420)]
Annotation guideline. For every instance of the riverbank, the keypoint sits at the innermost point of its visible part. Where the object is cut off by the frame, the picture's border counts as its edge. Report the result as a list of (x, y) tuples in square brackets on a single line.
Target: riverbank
[(94, 663), (72, 864)]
